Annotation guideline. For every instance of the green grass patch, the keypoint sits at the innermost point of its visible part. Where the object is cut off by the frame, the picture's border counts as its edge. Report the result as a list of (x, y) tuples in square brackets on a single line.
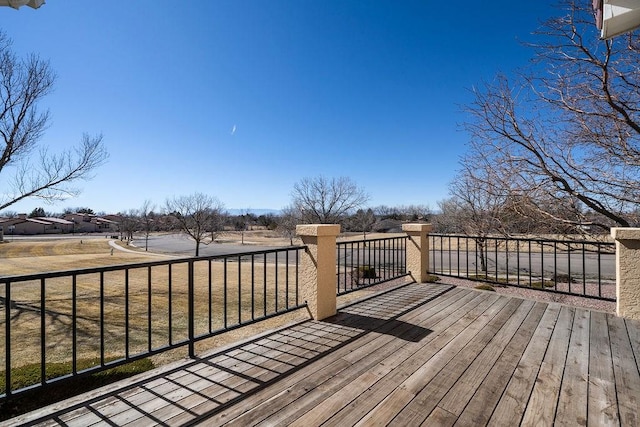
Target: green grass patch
[(27, 375)]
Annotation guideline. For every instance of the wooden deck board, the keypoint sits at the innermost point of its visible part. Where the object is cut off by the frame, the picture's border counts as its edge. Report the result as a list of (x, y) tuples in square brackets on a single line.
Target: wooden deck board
[(602, 391), (626, 373), (419, 355), (514, 399), (541, 407), (572, 401), (488, 392)]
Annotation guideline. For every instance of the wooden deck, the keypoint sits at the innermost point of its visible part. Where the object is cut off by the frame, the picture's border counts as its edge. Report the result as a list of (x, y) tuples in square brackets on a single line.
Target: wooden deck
[(419, 355)]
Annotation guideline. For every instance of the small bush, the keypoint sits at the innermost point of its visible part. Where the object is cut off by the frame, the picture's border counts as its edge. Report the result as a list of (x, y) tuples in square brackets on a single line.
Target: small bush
[(486, 288), (432, 279), (367, 272)]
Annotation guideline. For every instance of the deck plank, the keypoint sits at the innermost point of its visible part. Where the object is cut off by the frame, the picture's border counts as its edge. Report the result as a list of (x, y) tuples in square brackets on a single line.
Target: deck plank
[(572, 401), (489, 391), (602, 402), (541, 408), (513, 402), (626, 373)]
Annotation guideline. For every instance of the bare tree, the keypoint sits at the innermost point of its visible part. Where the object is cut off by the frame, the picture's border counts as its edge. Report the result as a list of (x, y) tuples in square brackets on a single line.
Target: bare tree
[(327, 201), (146, 218), (129, 224), (567, 131), (198, 215), (363, 221), (23, 83), (287, 221), (475, 208)]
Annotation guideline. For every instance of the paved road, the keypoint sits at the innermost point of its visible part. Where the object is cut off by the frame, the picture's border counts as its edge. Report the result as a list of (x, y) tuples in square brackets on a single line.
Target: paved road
[(182, 245), (537, 263)]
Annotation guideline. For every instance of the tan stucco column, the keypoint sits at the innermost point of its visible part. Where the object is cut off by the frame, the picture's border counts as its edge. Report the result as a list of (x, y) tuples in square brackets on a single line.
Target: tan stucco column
[(318, 268), (418, 250), (627, 271)]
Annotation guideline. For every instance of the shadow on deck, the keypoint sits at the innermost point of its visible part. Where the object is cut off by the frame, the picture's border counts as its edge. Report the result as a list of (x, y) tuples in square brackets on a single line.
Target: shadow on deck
[(422, 353)]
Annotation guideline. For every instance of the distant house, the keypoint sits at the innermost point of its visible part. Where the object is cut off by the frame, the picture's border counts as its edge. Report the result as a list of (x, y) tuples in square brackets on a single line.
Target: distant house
[(90, 223), (21, 225)]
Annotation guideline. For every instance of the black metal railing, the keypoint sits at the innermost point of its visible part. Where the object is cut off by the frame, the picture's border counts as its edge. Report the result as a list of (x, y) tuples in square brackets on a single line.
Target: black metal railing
[(94, 319), (573, 267), (365, 263)]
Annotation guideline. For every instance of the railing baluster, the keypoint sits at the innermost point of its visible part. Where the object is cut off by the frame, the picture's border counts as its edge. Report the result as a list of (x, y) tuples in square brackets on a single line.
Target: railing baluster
[(286, 267), (297, 278), (43, 334), (149, 310), (126, 313), (253, 287), (239, 289), (598, 246), (170, 290), (191, 309), (7, 339), (264, 293), (584, 271), (210, 293), (102, 318), (224, 285), (276, 280), (74, 322)]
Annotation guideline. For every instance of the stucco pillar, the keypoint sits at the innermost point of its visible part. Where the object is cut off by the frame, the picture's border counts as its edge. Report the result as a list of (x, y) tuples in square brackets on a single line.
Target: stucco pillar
[(318, 268), (418, 250), (627, 271)]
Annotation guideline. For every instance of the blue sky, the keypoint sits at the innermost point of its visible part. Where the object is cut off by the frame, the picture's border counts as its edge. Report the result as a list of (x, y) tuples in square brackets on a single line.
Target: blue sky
[(240, 99)]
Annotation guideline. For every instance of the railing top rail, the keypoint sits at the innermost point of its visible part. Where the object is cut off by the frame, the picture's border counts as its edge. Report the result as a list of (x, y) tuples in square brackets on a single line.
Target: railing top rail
[(346, 242), (526, 239), (118, 267)]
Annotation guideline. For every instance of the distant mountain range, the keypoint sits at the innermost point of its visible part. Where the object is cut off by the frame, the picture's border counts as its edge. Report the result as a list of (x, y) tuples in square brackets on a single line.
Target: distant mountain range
[(257, 212)]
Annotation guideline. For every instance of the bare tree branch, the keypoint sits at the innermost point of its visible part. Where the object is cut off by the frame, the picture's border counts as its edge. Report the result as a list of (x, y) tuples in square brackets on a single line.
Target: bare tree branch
[(569, 127), (23, 83), (327, 201)]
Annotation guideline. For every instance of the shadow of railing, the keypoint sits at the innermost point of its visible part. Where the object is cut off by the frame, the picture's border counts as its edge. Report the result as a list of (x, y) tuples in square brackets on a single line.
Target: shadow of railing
[(203, 388)]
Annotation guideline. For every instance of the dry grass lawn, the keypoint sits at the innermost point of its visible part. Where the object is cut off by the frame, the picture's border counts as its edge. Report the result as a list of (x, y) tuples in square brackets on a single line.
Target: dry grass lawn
[(36, 256), (157, 300)]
